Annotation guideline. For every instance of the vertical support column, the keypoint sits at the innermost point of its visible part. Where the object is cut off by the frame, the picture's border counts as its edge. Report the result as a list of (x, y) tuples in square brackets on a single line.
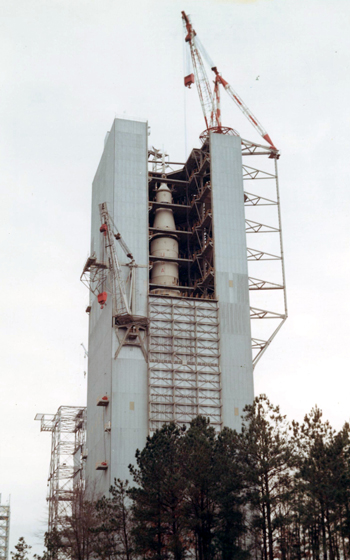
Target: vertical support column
[(231, 276), (121, 181), (129, 406)]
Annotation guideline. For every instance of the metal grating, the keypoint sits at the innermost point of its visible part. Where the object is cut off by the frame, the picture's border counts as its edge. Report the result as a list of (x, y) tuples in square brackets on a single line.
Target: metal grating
[(4, 530), (66, 466), (183, 361)]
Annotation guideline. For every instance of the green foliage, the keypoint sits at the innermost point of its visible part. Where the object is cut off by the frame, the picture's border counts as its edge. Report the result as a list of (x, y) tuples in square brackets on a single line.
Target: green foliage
[(53, 545), (230, 497), (273, 491), (113, 524), (22, 550), (200, 471), (188, 496), (266, 454), (159, 498)]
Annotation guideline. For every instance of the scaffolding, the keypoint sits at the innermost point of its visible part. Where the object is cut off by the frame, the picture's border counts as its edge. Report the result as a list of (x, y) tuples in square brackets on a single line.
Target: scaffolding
[(67, 427), (4, 530), (184, 346), (268, 299), (183, 361)]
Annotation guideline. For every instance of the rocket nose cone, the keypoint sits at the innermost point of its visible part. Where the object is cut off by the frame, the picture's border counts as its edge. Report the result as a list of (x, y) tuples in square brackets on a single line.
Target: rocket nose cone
[(163, 194), (163, 187)]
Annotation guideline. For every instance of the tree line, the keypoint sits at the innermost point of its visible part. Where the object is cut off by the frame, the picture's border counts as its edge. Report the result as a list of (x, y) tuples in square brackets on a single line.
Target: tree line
[(274, 490)]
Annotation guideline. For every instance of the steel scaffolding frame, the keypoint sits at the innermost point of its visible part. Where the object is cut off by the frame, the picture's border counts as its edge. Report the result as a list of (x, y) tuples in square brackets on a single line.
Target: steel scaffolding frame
[(183, 361), (4, 530), (194, 177), (67, 427), (272, 209)]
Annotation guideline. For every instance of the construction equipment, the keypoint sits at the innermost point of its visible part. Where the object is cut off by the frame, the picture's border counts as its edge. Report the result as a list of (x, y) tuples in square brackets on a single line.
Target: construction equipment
[(210, 101), (105, 275)]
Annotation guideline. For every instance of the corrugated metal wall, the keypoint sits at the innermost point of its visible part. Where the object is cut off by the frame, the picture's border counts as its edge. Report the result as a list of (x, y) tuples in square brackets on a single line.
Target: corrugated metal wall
[(121, 181), (231, 276)]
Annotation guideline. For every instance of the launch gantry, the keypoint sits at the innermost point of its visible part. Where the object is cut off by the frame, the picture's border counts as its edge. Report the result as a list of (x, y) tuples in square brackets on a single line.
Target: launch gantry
[(267, 198), (68, 454)]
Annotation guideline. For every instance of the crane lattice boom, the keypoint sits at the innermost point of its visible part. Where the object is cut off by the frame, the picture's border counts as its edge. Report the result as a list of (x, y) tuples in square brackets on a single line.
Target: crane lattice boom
[(121, 304), (243, 107), (210, 101), (200, 76)]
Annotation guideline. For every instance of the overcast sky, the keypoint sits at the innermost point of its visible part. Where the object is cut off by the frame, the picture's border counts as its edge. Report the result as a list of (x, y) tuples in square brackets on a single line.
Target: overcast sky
[(67, 68)]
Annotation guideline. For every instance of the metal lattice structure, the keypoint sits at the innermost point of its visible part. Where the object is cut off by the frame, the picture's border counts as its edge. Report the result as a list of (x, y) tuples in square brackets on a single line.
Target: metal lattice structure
[(184, 345), (67, 429), (4, 530), (183, 361), (268, 298)]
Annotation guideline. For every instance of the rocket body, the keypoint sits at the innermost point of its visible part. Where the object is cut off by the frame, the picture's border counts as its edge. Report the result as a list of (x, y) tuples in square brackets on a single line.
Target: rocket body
[(165, 273)]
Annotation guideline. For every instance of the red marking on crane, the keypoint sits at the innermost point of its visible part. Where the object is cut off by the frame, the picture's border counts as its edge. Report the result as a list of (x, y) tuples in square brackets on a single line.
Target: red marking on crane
[(222, 81), (253, 120), (102, 298), (238, 101), (268, 139), (103, 229), (189, 80)]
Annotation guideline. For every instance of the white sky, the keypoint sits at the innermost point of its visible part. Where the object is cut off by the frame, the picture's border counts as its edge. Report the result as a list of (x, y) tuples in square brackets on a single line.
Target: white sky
[(67, 67)]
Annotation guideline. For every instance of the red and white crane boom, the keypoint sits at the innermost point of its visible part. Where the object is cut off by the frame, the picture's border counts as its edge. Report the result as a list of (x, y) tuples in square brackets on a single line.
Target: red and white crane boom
[(210, 101), (200, 76), (243, 107), (111, 233)]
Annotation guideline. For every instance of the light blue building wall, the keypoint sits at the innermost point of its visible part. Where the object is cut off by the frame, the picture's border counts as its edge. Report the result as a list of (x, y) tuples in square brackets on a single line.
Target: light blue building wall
[(231, 277), (121, 181)]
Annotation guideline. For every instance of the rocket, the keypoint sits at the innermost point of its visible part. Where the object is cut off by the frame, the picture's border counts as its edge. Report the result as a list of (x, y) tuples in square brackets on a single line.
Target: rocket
[(165, 273)]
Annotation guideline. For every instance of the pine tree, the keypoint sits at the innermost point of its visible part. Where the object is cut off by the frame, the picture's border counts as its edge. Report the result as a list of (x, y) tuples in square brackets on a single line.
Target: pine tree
[(158, 500), (265, 455), (230, 498), (53, 545), (22, 550), (113, 524), (324, 484), (199, 447)]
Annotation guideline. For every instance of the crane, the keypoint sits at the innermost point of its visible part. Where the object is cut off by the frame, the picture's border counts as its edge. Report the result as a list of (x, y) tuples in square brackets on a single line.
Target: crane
[(199, 77), (97, 273), (110, 232), (210, 101)]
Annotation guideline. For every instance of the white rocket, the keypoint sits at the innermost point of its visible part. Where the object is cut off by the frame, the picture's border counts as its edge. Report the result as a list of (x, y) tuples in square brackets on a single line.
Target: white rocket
[(165, 273)]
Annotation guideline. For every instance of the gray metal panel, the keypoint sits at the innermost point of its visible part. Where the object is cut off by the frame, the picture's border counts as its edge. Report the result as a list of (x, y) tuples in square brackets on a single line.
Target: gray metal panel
[(129, 381), (100, 336), (183, 360), (231, 276), (131, 198), (121, 181)]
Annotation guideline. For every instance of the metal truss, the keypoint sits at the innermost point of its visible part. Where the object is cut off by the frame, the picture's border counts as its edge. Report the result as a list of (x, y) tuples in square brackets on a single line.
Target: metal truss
[(67, 429), (183, 339), (269, 210), (183, 361), (4, 530)]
